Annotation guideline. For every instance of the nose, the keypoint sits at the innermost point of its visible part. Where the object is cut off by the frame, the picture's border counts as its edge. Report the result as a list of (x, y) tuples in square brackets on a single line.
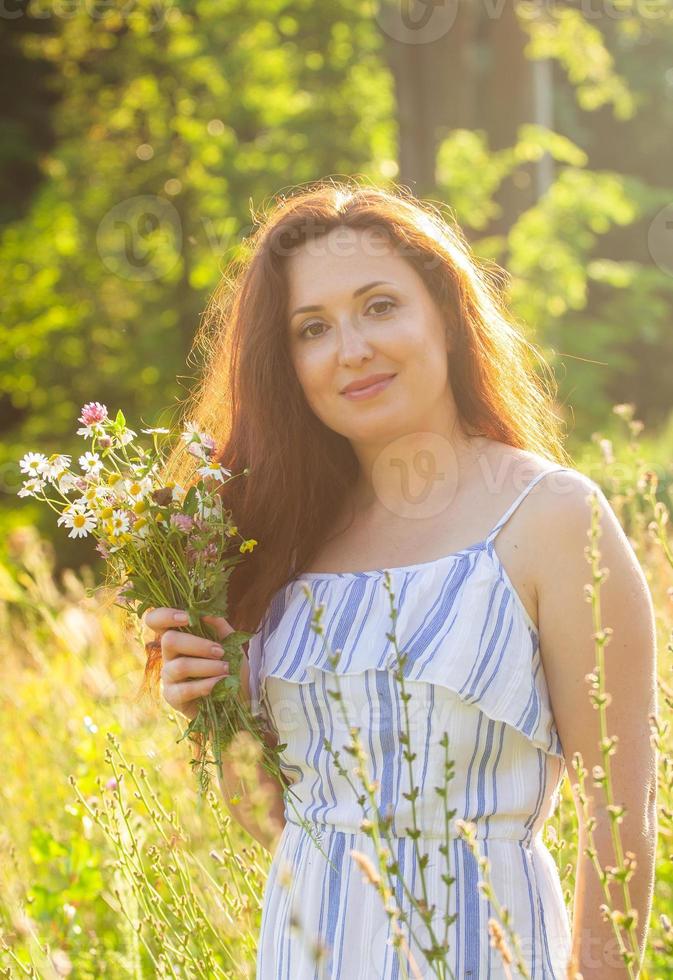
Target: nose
[(352, 346)]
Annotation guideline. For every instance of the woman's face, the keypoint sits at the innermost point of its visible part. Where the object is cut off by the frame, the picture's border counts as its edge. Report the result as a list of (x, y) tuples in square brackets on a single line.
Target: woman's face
[(372, 314)]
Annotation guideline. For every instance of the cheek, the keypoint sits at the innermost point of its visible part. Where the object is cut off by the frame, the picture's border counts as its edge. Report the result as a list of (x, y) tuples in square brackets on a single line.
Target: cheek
[(422, 344), (312, 370)]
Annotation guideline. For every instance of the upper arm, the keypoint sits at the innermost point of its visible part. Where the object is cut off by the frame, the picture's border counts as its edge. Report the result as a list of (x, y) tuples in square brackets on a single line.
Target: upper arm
[(270, 736), (568, 649)]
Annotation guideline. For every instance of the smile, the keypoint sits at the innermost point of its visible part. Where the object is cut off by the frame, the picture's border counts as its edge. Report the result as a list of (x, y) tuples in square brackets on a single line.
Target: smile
[(370, 391)]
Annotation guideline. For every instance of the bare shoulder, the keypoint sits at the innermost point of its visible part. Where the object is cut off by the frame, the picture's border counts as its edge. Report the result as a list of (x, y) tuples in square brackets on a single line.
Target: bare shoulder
[(564, 509), (558, 496), (532, 542)]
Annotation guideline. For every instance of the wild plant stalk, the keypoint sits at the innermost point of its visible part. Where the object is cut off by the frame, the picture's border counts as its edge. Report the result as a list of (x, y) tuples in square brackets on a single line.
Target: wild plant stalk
[(376, 828), (382, 880), (661, 727), (657, 526), (602, 776), (468, 830), (178, 922), (268, 756), (657, 523), (437, 952)]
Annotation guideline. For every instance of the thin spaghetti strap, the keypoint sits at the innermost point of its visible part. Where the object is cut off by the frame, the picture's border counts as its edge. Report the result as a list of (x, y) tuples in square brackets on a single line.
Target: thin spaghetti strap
[(510, 510)]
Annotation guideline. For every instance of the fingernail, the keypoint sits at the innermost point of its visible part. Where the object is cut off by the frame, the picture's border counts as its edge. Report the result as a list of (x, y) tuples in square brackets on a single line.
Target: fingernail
[(180, 617), (216, 651)]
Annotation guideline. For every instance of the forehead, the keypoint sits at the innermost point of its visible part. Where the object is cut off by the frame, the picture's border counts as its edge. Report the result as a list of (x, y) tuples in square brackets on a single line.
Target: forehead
[(343, 258)]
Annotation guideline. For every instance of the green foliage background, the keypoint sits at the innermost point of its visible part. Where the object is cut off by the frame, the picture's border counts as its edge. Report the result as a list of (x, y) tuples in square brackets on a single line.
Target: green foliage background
[(199, 113), (203, 112)]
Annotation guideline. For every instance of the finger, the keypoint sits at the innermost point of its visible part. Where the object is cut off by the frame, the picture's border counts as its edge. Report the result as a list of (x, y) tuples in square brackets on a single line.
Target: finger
[(181, 694), (174, 643), (183, 668), (221, 625), (164, 618)]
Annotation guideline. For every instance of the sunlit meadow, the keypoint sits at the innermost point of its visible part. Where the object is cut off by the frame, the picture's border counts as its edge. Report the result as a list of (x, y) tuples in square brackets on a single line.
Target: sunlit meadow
[(109, 868)]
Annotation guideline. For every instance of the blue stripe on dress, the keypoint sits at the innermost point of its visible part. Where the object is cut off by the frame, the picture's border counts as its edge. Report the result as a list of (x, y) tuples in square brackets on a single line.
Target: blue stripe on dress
[(494, 781), (337, 853), (387, 743), (475, 666)]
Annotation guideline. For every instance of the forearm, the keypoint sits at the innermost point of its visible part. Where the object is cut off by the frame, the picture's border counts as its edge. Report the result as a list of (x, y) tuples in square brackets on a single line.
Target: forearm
[(253, 797), (595, 948), (256, 804)]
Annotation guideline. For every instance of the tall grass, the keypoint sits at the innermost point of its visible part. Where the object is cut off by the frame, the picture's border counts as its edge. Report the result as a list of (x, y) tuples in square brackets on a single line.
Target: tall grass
[(108, 868)]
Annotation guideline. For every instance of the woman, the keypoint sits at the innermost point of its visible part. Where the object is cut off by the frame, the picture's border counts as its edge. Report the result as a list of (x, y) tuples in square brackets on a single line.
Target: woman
[(392, 421)]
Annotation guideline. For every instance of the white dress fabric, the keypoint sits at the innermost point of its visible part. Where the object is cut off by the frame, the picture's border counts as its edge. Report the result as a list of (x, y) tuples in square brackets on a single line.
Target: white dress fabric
[(474, 671)]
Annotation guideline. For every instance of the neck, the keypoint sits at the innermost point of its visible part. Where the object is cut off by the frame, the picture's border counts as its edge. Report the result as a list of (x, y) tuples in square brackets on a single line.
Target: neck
[(416, 476)]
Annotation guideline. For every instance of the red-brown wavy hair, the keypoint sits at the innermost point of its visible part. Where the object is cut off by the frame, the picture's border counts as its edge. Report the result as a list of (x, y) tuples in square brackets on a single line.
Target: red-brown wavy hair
[(249, 398)]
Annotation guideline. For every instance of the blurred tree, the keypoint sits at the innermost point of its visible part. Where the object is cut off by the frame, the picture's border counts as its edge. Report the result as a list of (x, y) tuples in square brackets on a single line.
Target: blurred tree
[(574, 292), (25, 118), (171, 122)]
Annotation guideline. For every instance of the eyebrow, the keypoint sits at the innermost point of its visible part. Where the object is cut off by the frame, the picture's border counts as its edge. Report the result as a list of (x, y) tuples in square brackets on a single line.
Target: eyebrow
[(362, 289)]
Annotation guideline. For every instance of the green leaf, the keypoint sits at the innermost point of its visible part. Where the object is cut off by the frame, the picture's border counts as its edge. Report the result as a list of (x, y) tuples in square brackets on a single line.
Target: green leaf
[(225, 689)]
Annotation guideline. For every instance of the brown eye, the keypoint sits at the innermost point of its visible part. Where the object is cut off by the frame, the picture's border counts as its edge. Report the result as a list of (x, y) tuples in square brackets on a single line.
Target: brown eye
[(381, 302), (308, 326), (312, 323)]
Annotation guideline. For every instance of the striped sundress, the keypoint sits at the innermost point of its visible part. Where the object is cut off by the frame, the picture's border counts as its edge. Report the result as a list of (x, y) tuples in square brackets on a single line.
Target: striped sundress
[(474, 671)]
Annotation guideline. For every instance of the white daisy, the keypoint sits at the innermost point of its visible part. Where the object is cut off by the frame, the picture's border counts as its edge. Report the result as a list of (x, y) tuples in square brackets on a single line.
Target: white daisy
[(119, 523), (56, 466), (137, 489), (141, 528), (125, 436), (91, 463), (179, 493), (74, 507), (192, 433), (89, 431), (150, 432), (80, 523), (96, 495), (214, 469), (66, 482), (208, 506), (34, 463), (31, 487)]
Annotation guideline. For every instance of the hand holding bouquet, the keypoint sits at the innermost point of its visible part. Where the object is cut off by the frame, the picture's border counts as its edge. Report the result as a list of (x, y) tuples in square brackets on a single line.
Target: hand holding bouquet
[(164, 546)]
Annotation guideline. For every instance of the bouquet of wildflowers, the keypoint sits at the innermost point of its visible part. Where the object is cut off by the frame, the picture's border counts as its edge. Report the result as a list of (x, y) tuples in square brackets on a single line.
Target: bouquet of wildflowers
[(163, 546)]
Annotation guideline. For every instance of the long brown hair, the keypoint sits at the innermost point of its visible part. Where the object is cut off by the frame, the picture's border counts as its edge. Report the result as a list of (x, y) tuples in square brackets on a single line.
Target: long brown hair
[(250, 400)]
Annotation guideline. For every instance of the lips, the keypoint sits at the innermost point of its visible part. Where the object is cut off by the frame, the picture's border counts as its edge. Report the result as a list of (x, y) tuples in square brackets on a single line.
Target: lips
[(368, 382), (371, 390)]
